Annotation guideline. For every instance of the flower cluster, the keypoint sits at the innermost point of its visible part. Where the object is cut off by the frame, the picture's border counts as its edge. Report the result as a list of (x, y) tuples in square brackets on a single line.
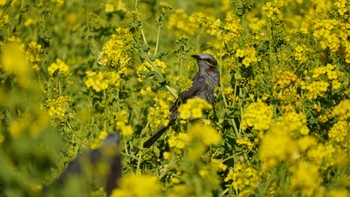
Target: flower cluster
[(158, 114), (342, 110), (193, 108), (115, 6), (102, 80), (339, 133), (227, 31), (178, 141), (300, 53), (309, 184), (179, 21), (145, 68), (34, 51), (138, 186), (258, 116), (277, 145), (98, 141), (244, 179), (247, 55), (286, 86), (117, 51), (285, 140), (13, 61), (273, 10), (323, 78), (59, 67), (28, 125), (121, 121), (59, 108)]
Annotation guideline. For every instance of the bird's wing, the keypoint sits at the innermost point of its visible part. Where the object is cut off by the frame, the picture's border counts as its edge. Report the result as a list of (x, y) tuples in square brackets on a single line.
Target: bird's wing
[(193, 91)]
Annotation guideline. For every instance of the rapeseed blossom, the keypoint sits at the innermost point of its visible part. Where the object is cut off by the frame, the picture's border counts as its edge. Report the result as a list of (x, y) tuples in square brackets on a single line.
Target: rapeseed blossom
[(342, 110), (14, 61), (145, 68), (305, 177), (121, 122), (59, 67), (205, 134), (29, 125), (102, 80), (273, 11), (137, 186), (159, 114), (34, 51), (248, 56), (258, 116), (193, 108), (340, 133), (59, 108), (98, 141), (117, 52), (244, 179), (178, 141)]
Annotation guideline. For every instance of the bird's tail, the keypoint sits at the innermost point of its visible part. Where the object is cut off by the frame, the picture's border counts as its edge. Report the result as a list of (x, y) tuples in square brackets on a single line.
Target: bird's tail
[(155, 136)]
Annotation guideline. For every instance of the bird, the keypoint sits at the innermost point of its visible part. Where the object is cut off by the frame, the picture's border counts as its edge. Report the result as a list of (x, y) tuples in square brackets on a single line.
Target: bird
[(86, 168), (203, 86)]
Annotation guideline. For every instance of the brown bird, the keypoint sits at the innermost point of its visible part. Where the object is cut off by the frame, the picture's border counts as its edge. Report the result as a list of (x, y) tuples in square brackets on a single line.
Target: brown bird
[(203, 85)]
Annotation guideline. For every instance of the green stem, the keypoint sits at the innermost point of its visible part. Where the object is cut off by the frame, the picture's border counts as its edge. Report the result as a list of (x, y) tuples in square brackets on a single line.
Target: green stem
[(157, 43), (141, 28), (172, 92), (225, 101)]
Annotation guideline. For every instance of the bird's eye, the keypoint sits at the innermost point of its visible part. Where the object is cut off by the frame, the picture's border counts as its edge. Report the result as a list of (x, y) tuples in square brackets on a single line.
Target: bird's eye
[(209, 61)]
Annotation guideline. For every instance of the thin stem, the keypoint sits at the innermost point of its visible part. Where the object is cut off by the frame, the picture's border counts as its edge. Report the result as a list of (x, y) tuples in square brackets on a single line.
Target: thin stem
[(225, 101), (141, 28), (157, 43), (172, 92), (181, 66)]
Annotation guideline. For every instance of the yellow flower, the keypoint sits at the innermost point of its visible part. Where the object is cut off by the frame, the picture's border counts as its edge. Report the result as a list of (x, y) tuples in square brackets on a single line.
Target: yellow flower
[(59, 108), (326, 155), (338, 193), (342, 110), (13, 61), (272, 11), (193, 108), (60, 67), (206, 134), (33, 52), (102, 80), (159, 114), (248, 54), (276, 146), (179, 141), (127, 130), (245, 141), (218, 164), (117, 52), (58, 2), (308, 184), (137, 186), (258, 116), (339, 132), (244, 178), (98, 141)]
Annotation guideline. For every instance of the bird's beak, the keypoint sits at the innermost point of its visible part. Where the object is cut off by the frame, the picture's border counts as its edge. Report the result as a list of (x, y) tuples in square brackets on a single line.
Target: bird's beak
[(195, 56)]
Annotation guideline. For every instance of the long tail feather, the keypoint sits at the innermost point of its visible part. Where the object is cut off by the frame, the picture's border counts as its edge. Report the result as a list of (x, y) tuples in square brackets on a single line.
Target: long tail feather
[(155, 136)]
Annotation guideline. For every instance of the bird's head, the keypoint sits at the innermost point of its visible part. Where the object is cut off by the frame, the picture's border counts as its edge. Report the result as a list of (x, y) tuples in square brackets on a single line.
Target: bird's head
[(205, 61)]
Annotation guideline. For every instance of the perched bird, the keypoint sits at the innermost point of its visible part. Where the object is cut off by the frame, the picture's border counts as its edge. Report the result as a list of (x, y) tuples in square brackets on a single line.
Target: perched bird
[(100, 167), (203, 85)]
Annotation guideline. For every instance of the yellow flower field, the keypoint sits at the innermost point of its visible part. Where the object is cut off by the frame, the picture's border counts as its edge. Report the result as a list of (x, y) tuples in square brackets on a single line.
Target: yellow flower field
[(74, 71)]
